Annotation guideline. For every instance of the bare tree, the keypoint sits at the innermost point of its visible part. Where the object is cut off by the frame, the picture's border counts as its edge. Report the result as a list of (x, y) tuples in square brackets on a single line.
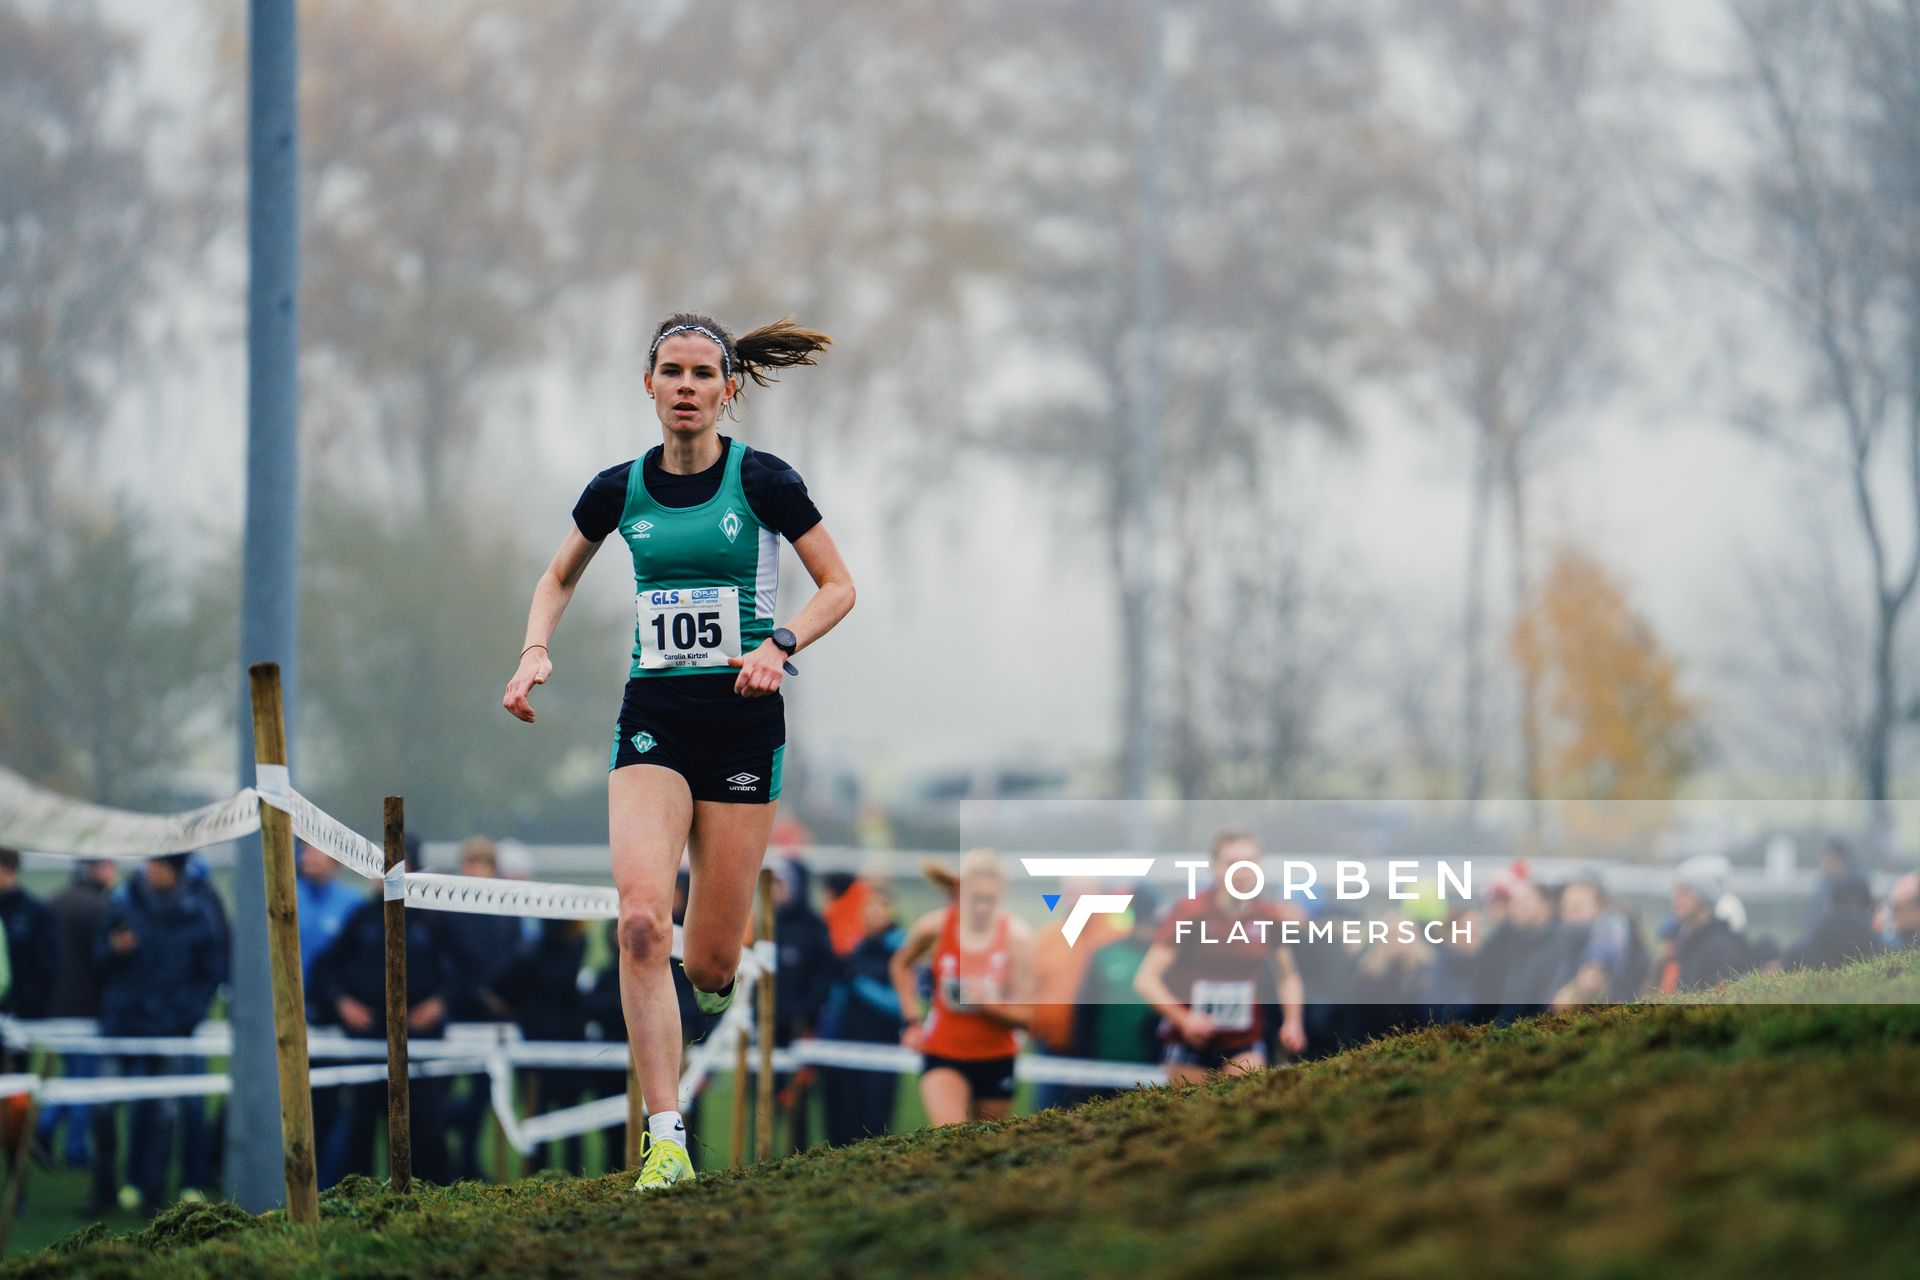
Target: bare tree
[(79, 213), (1835, 93), (1514, 247), (434, 245)]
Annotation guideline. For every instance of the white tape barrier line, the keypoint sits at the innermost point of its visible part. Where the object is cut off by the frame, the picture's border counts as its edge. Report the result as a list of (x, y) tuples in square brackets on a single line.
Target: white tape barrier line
[(57, 1090), (31, 817), (34, 818), (497, 1040), (897, 1059)]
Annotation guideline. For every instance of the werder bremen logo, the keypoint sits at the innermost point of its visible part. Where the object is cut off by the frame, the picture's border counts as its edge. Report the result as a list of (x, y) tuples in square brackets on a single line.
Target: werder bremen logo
[(643, 742), (730, 524)]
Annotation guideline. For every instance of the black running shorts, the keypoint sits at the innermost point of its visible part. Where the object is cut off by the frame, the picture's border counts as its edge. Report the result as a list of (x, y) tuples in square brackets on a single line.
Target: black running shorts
[(990, 1079), (727, 747)]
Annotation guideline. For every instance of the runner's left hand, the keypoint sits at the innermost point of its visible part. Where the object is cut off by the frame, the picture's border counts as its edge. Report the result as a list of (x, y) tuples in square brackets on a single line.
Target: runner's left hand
[(760, 671), (1293, 1037)]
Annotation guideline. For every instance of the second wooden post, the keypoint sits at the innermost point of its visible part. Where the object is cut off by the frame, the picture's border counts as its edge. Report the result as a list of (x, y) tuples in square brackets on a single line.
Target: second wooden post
[(763, 1126), (399, 1095)]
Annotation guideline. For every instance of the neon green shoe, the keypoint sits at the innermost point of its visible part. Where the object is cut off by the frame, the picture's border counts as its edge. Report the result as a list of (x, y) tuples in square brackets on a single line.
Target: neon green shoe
[(665, 1164), (716, 1002)]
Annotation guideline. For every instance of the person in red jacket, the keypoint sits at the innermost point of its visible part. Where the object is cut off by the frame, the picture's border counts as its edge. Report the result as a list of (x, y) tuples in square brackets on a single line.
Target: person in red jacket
[(1207, 992), (982, 992)]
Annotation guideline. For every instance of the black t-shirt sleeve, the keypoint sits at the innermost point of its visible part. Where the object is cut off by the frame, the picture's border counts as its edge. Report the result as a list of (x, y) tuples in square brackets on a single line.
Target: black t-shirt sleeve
[(597, 514), (777, 495)]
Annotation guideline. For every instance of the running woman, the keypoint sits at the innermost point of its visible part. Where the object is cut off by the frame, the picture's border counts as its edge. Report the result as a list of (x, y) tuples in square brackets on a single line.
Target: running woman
[(1207, 992), (982, 985), (698, 744)]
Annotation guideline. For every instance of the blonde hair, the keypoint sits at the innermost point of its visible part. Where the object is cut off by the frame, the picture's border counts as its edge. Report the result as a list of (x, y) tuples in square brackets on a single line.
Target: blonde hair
[(973, 864), (482, 848)]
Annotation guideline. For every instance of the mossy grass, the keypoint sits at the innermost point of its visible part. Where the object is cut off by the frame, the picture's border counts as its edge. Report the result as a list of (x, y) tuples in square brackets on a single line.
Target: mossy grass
[(1704, 1137)]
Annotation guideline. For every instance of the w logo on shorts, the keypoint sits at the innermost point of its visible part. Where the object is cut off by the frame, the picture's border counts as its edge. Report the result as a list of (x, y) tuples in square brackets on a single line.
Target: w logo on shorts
[(643, 742)]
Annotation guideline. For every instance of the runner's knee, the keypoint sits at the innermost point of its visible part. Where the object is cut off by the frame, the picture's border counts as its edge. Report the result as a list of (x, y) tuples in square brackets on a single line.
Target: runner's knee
[(646, 933), (711, 968)]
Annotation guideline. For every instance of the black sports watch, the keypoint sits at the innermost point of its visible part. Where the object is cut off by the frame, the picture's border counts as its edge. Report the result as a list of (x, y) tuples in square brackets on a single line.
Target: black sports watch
[(784, 640)]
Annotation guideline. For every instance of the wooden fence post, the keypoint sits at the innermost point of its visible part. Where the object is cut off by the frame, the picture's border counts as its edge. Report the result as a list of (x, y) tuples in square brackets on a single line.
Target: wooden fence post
[(399, 1105), (737, 1149), (763, 1130), (636, 1111), (283, 953)]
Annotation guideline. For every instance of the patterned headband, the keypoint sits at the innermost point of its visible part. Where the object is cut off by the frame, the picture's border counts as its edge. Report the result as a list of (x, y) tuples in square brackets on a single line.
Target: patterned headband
[(726, 357)]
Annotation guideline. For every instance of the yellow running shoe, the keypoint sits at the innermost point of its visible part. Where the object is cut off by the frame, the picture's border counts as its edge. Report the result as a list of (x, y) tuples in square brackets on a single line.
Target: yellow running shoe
[(716, 1002), (664, 1164)]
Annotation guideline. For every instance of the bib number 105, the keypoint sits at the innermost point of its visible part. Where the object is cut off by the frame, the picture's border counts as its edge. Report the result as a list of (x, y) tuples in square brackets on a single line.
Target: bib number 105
[(690, 630), (689, 627)]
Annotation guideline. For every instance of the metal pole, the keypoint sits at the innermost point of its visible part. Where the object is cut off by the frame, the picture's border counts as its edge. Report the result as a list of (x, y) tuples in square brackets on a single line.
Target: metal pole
[(1138, 514), (270, 552)]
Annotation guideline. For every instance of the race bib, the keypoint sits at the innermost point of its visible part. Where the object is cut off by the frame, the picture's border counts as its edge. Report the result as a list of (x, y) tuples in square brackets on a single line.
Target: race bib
[(974, 989), (1229, 1004), (689, 627)]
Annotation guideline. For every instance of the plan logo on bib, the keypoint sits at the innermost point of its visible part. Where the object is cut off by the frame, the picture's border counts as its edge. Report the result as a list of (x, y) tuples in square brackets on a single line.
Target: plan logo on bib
[(730, 524), (1093, 904)]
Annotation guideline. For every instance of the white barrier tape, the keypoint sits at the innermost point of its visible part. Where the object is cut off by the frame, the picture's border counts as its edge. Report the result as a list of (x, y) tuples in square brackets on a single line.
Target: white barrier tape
[(1039, 1069), (33, 818), (331, 836), (273, 783), (587, 1117), (393, 885), (103, 1090), (432, 891)]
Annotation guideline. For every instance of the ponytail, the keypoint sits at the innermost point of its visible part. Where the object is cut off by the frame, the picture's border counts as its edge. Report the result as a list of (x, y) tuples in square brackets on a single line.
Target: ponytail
[(779, 345)]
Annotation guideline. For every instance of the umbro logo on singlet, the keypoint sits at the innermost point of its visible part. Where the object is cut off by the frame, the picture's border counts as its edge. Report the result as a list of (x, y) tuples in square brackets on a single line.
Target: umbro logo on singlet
[(639, 528), (730, 524)]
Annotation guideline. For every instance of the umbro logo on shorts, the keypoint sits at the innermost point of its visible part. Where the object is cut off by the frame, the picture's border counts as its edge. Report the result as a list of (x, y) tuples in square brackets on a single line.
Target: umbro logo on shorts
[(744, 781)]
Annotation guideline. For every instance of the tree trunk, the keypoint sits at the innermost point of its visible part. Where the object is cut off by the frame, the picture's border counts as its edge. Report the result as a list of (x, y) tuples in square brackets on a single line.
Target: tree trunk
[(1516, 488), (1473, 708)]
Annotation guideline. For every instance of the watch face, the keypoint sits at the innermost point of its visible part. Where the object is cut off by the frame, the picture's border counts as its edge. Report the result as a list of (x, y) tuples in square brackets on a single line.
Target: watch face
[(784, 638)]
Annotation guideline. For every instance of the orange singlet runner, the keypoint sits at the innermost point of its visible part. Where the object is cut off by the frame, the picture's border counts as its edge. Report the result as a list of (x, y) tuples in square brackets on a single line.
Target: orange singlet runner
[(952, 1032)]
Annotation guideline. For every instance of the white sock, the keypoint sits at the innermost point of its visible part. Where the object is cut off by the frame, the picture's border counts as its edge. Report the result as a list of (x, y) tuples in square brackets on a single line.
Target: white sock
[(666, 1126)]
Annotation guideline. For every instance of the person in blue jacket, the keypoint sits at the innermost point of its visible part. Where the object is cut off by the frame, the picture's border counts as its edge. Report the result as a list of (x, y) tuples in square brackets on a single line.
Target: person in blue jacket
[(162, 954)]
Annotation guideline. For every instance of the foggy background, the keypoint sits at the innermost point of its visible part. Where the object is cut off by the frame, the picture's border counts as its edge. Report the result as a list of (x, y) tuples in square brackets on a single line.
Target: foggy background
[(1536, 392)]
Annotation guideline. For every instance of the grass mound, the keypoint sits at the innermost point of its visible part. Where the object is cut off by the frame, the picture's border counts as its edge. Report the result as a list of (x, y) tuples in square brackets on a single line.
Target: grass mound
[(1699, 1139)]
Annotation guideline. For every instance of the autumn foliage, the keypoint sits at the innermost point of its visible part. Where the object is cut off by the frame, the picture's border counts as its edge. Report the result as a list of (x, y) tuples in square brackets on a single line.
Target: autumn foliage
[(1614, 724)]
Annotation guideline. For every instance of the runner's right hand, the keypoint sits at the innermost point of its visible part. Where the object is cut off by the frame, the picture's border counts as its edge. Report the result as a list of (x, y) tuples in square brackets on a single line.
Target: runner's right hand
[(534, 669), (1196, 1028)]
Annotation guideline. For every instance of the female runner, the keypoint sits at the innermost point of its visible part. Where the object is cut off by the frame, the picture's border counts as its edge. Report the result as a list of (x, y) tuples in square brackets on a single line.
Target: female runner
[(982, 981), (698, 745)]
